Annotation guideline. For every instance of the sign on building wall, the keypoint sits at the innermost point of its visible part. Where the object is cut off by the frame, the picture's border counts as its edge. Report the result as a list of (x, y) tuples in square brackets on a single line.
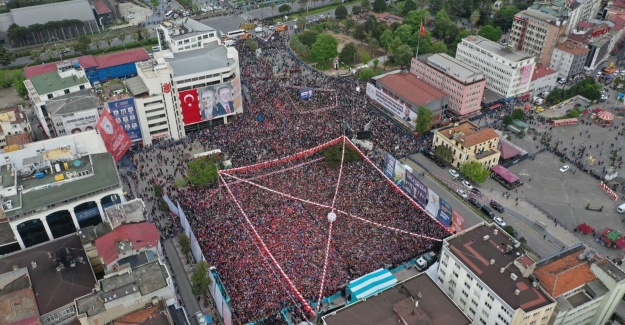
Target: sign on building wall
[(117, 142), (125, 113), (214, 101), (398, 109), (80, 121), (526, 74)]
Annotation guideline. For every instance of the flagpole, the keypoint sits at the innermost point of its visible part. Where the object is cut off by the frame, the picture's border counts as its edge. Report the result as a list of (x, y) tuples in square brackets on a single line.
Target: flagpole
[(419, 41)]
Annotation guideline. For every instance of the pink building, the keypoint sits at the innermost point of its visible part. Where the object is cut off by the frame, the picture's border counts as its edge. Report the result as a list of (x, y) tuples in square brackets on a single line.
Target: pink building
[(462, 83)]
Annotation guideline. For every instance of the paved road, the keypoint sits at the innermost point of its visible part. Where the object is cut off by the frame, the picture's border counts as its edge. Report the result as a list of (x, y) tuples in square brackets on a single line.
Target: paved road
[(184, 286)]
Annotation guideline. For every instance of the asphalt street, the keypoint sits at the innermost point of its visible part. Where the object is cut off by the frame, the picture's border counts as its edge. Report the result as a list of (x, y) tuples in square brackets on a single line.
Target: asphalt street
[(182, 280)]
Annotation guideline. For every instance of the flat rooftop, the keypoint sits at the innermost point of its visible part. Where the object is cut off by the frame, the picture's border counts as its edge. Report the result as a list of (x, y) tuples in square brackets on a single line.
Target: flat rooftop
[(74, 102), (190, 27), (434, 307), (6, 233), (477, 254), (52, 81), (127, 212), (152, 315), (564, 271), (54, 289), (104, 176), (211, 57), (496, 48), (457, 69), (411, 88)]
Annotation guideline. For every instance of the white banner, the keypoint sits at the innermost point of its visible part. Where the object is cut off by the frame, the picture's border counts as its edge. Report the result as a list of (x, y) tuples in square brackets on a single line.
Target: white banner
[(398, 109), (433, 203), (80, 121)]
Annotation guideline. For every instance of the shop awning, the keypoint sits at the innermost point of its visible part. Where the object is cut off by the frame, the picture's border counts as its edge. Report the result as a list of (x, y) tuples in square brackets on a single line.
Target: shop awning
[(620, 243), (605, 231), (585, 228), (494, 106), (523, 97)]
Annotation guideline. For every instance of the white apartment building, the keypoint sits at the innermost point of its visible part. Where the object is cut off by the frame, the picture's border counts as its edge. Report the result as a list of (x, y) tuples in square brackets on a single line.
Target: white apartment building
[(192, 57), (569, 59), (13, 121), (484, 271), (507, 72), (587, 288)]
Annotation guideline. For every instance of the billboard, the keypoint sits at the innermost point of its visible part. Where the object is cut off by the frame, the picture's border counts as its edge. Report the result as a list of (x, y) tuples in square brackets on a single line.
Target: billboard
[(400, 111), (214, 101), (400, 174), (125, 114), (115, 139), (444, 213), (457, 223), (600, 32), (80, 121), (433, 204), (526, 73), (306, 93), (416, 190), (389, 166)]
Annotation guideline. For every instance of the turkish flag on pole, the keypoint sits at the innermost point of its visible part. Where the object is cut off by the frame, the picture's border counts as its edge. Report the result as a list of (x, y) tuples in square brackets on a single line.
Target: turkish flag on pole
[(422, 29), (190, 106)]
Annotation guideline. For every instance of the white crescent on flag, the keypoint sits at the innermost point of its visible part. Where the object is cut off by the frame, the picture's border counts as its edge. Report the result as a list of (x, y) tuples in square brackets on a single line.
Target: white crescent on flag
[(184, 99)]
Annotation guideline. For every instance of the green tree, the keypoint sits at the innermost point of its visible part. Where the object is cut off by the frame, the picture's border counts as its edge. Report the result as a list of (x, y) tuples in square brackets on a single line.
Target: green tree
[(475, 17), (301, 24), (348, 53), (202, 171), (365, 5), (185, 244), (507, 120), (252, 44), (196, 8), (18, 83), (475, 171), (424, 120), (325, 48), (272, 6), (121, 37), (302, 5), (438, 47), (386, 38), (333, 155), (403, 55), (284, 8), (356, 10), (143, 34), (409, 5), (6, 57), (518, 114), (365, 74), (364, 56), (308, 37), (491, 33), (379, 5), (292, 4), (200, 280), (404, 32), (443, 153), (394, 45), (414, 18), (299, 48), (375, 64), (340, 12), (109, 39), (442, 25)]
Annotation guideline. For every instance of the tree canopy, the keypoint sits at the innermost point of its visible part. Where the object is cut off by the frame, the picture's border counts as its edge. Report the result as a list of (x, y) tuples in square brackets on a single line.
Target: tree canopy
[(200, 279), (379, 5), (475, 171), (587, 88), (284, 8), (424, 120), (348, 54), (491, 33), (409, 5), (340, 12), (403, 55), (5, 57), (308, 37), (325, 48), (443, 153), (202, 171), (365, 74)]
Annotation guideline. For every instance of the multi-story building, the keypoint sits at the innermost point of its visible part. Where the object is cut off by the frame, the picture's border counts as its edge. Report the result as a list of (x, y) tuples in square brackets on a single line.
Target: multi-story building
[(590, 8), (135, 239), (186, 87), (469, 143), (55, 187), (587, 288), (463, 83), (596, 35), (536, 33), (13, 121), (569, 59), (508, 72), (72, 113), (543, 79), (484, 271)]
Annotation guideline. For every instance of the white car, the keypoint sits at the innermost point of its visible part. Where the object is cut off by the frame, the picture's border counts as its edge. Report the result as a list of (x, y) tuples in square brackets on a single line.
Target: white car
[(564, 168), (258, 29), (462, 193), (272, 27), (295, 20), (130, 17), (499, 221), (467, 184), (454, 173)]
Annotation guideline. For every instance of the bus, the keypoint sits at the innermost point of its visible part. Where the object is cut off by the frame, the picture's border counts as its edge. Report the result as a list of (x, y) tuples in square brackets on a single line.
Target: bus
[(235, 33), (207, 153)]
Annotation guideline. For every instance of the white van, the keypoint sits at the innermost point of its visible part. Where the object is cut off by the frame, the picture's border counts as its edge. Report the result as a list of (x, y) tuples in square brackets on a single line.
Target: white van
[(621, 208), (229, 42), (258, 29), (169, 14)]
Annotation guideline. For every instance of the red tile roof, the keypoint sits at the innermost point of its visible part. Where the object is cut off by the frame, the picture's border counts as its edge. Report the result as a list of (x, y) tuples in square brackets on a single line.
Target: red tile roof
[(143, 234), (585, 24), (19, 139), (564, 274), (19, 306), (479, 136), (120, 58), (411, 88), (85, 62), (542, 71), (100, 8)]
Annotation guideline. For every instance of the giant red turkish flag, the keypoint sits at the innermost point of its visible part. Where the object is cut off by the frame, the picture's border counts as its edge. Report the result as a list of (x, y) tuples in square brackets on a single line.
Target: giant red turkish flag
[(190, 106)]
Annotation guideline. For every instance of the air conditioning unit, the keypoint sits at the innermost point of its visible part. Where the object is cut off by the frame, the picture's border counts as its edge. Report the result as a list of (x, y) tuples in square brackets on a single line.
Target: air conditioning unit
[(513, 276), (486, 237)]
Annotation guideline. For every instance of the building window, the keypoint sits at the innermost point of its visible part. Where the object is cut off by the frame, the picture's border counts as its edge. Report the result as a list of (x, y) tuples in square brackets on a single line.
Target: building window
[(81, 87), (50, 96), (66, 91)]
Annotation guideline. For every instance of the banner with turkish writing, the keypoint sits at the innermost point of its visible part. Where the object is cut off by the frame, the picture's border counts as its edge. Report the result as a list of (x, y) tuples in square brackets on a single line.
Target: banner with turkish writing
[(115, 139), (190, 106)]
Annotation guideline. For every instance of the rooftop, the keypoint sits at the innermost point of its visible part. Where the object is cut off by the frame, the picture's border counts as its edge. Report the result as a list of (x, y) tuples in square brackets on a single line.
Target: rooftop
[(132, 236), (497, 49), (86, 62), (17, 300), (120, 58), (467, 133), (187, 27), (136, 86), (6, 233), (434, 307), (127, 212), (612, 270), (13, 115), (100, 8), (19, 139), (452, 67), (211, 57), (54, 289), (89, 234), (541, 71), (563, 272), (73, 102), (52, 81), (142, 280), (411, 88), (538, 15), (573, 47), (57, 11), (152, 315), (486, 255)]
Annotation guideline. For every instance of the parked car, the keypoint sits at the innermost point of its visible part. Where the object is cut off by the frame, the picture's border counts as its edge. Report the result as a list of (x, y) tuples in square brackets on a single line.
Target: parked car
[(200, 318), (441, 163), (477, 192), (495, 205), (429, 154), (272, 27), (130, 17), (487, 211), (564, 168), (454, 173), (462, 193), (499, 221), (467, 184), (425, 261), (474, 202)]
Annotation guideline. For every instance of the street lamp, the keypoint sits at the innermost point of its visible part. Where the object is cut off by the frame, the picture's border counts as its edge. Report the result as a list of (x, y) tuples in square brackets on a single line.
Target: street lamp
[(353, 103)]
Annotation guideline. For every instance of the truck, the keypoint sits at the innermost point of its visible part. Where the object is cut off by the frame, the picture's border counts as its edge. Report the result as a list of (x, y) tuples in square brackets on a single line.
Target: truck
[(425, 261), (609, 69), (281, 28)]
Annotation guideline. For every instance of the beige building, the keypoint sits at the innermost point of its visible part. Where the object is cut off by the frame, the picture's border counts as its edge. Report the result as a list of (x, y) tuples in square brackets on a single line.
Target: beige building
[(536, 33), (467, 144)]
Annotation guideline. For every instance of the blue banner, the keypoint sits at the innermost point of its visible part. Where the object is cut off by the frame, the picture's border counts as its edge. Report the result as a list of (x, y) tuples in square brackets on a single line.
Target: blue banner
[(86, 214), (125, 115), (444, 213), (306, 93), (389, 167), (416, 190)]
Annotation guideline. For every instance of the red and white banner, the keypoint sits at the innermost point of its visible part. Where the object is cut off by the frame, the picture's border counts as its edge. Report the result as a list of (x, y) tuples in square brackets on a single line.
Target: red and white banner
[(115, 138), (190, 106), (566, 121), (526, 73), (608, 191)]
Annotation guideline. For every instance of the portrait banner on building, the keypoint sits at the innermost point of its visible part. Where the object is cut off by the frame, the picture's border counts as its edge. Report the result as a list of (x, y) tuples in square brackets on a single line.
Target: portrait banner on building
[(416, 190), (444, 213), (526, 73), (80, 121), (125, 113), (210, 102), (433, 203), (389, 166), (400, 174), (457, 223), (117, 142), (399, 110)]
